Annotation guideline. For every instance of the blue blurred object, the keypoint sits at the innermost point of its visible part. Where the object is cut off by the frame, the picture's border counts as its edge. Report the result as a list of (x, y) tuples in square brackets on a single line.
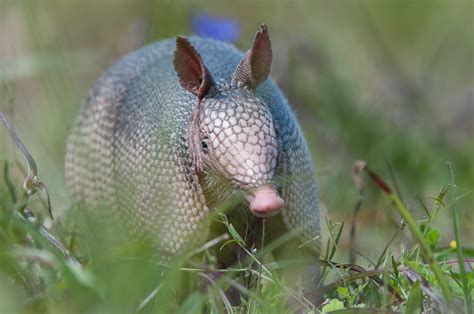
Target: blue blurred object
[(220, 28)]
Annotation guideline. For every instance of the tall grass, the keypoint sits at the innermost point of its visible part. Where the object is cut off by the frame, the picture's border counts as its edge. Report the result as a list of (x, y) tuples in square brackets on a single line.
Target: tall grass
[(51, 267)]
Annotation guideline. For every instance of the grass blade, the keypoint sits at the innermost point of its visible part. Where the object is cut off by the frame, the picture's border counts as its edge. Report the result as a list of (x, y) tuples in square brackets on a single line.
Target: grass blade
[(459, 253), (413, 305)]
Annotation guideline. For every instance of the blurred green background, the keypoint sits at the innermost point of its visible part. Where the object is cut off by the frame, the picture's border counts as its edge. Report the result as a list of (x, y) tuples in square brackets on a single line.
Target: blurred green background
[(390, 82)]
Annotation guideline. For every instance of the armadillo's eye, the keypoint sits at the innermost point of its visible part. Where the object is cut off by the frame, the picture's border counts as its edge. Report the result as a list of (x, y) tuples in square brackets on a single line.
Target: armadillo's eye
[(205, 145)]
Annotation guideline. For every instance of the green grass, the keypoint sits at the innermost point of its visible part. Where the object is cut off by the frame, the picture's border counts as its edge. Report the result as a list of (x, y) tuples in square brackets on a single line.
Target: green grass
[(389, 82), (85, 266)]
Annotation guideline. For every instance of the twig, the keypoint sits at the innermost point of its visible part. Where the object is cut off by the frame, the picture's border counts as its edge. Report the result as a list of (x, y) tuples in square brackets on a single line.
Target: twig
[(30, 217), (31, 183)]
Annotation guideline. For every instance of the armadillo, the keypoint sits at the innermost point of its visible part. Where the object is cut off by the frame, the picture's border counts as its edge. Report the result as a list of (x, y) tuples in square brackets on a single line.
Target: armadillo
[(176, 127)]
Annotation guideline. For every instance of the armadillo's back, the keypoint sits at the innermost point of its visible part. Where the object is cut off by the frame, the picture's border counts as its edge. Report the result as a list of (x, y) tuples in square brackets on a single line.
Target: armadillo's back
[(128, 153)]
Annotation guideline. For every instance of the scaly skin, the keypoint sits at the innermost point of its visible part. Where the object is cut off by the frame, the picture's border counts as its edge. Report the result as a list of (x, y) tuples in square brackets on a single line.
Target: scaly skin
[(129, 153)]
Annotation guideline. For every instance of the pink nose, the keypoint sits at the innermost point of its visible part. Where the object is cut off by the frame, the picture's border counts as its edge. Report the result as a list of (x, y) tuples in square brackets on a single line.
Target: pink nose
[(265, 202)]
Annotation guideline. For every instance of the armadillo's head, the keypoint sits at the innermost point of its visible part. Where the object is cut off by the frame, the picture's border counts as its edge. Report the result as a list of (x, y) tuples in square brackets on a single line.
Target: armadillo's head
[(231, 134), (238, 143)]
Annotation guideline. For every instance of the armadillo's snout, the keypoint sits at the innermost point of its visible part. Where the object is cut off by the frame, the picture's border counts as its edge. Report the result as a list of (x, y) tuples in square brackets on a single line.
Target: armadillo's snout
[(265, 202)]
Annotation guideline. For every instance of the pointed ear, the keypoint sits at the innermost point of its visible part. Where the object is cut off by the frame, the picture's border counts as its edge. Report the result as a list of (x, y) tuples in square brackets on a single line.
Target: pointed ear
[(254, 67), (192, 73)]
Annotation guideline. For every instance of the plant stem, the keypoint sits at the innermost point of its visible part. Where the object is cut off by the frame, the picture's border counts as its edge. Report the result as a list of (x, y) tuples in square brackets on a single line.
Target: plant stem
[(459, 252)]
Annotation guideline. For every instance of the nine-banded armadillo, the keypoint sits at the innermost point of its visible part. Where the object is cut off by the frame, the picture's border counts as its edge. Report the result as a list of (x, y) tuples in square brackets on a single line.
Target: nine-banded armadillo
[(177, 126)]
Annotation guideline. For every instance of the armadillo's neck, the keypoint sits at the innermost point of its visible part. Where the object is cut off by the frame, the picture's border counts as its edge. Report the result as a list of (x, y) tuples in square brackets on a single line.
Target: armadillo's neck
[(219, 192)]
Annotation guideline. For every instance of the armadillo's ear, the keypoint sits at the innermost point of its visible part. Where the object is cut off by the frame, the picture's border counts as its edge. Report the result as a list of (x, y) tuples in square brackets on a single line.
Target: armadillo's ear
[(254, 67), (193, 74)]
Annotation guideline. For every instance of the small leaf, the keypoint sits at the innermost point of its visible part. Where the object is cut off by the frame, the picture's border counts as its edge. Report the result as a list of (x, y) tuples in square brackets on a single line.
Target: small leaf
[(235, 234), (333, 305), (394, 265), (432, 235), (343, 293)]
